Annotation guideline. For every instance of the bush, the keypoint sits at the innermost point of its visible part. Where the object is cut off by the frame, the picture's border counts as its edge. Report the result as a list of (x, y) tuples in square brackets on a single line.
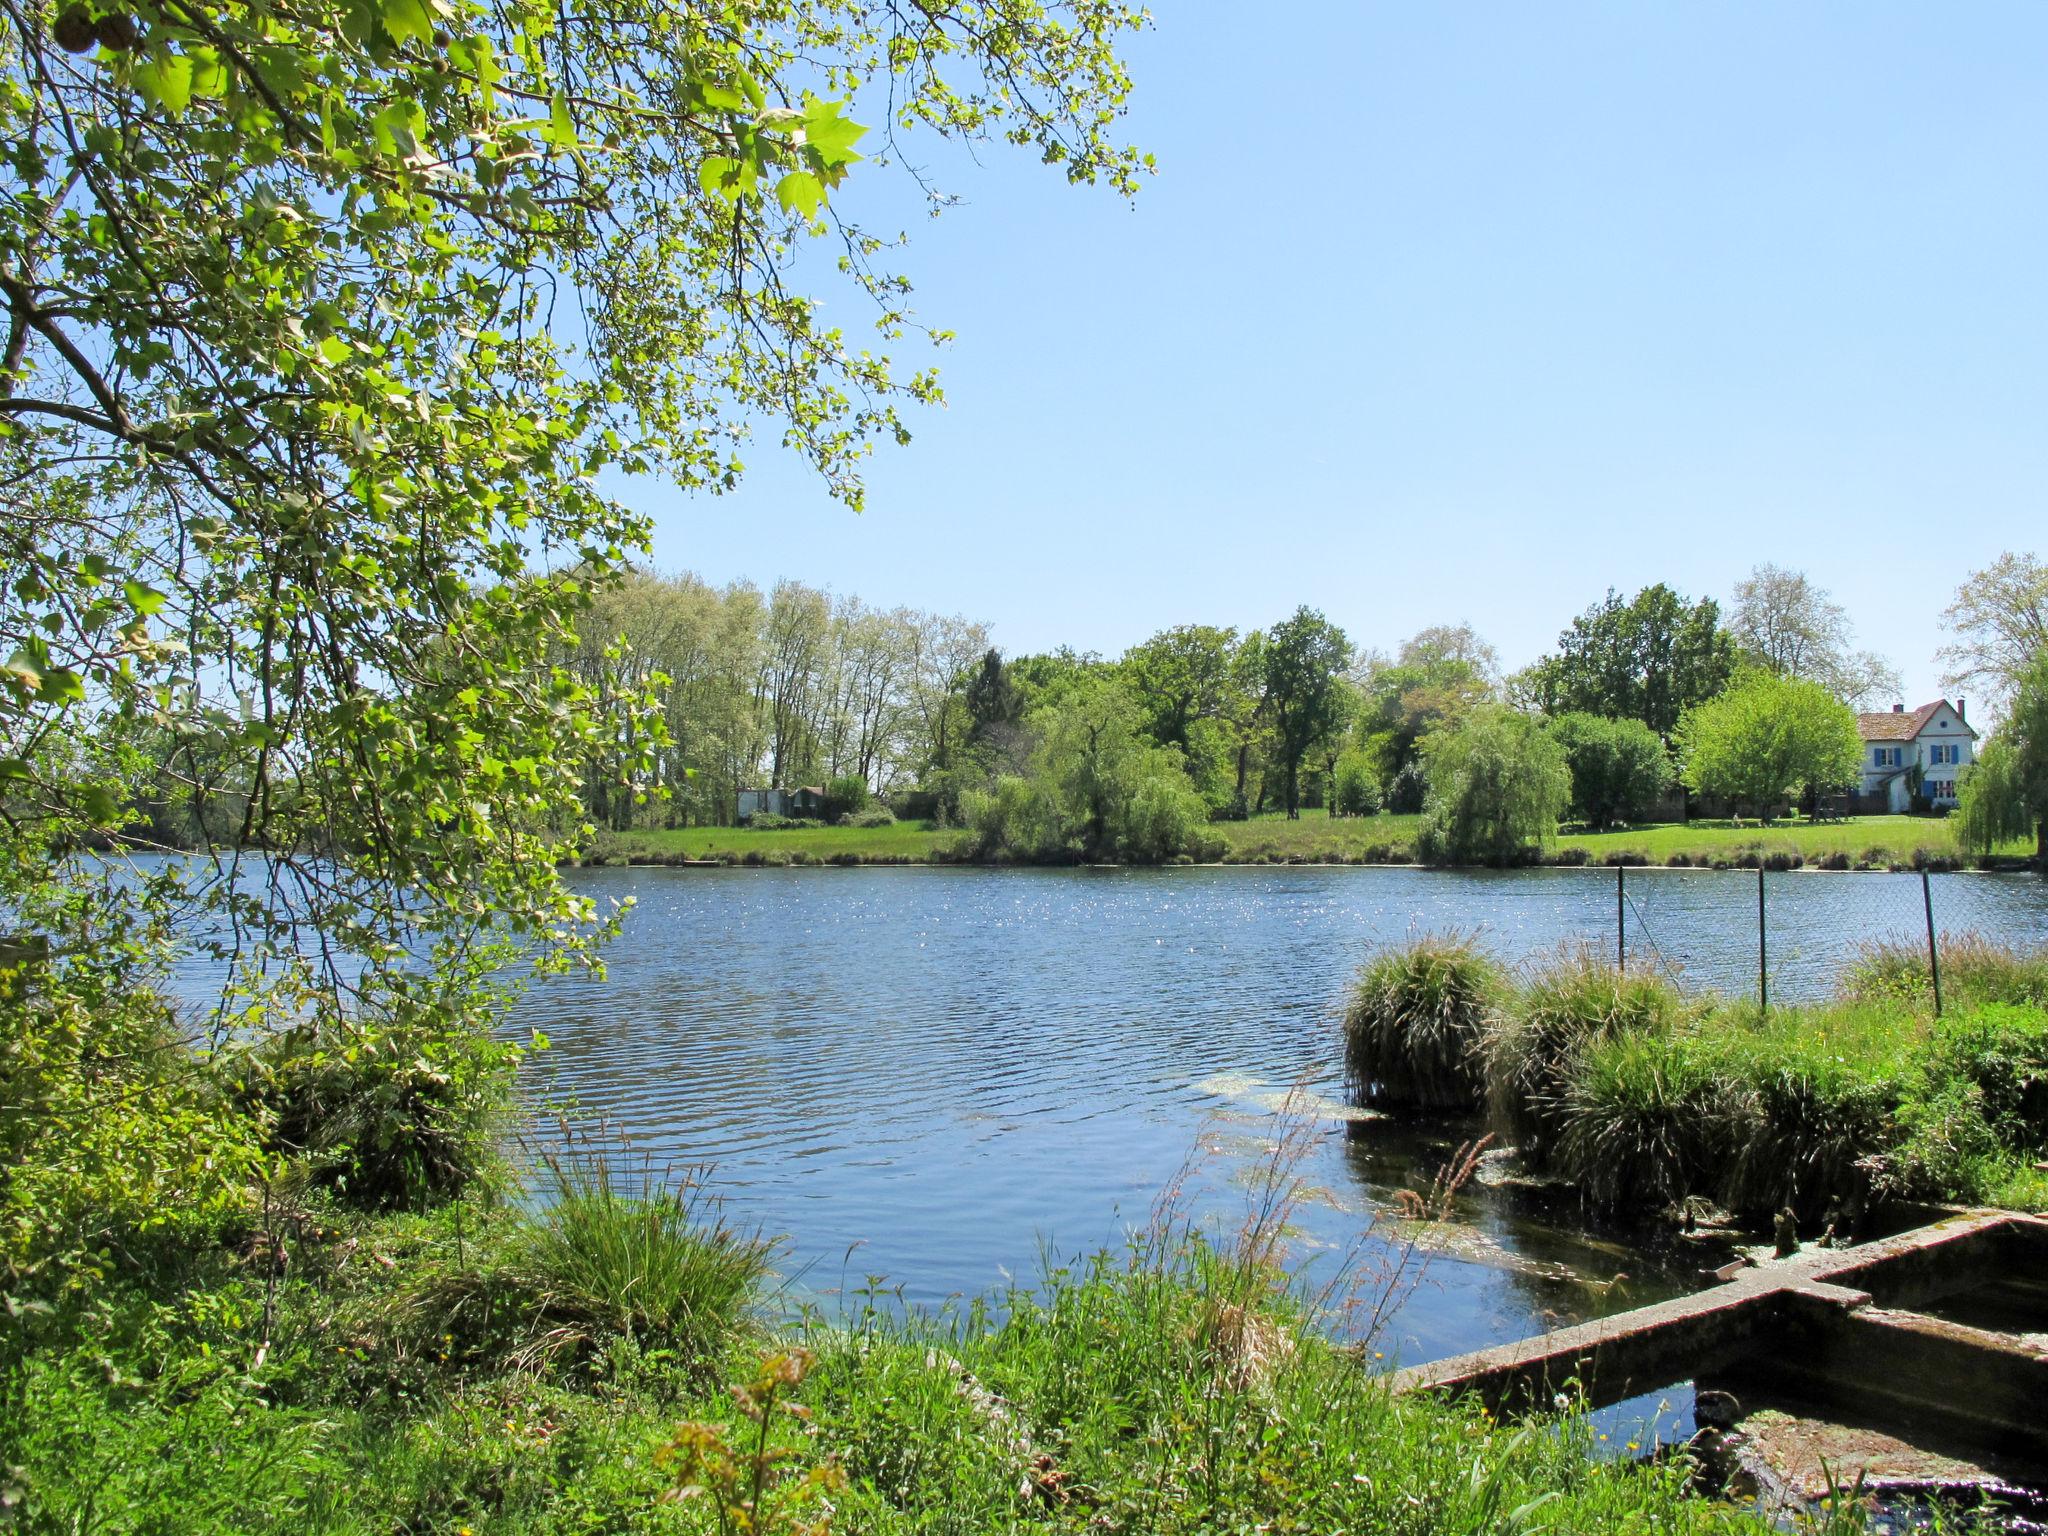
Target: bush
[(1619, 768), (1634, 1123), (1416, 1023), (1409, 790), (1358, 789), (845, 796), (763, 821), (391, 1119), (1974, 971), (872, 816), (1164, 818)]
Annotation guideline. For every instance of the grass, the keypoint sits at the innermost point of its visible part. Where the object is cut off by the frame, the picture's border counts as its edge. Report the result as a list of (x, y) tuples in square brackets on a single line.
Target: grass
[(1648, 1102), (1416, 1023), (1176, 1386), (1879, 842)]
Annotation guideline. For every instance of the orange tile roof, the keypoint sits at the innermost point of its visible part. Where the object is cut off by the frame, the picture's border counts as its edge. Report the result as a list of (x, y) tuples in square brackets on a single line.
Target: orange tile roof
[(1896, 725)]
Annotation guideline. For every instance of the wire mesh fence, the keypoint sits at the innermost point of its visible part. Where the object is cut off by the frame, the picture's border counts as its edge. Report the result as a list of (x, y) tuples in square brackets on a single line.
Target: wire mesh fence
[(1789, 936)]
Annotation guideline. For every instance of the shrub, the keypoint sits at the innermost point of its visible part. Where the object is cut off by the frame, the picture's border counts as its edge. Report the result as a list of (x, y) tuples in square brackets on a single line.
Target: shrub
[(763, 821), (1635, 1127), (1164, 817), (1532, 1047), (1974, 971), (872, 816), (1417, 1018), (1619, 768), (1409, 790), (845, 796), (389, 1119), (1358, 787)]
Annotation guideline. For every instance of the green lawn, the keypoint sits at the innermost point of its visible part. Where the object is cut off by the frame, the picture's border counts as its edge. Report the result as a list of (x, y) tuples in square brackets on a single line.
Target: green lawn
[(1317, 837), (906, 841)]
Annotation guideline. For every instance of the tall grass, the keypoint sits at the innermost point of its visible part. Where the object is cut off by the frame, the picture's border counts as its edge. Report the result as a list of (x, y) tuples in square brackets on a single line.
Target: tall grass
[(1974, 970), (1645, 1100), (1534, 1045), (648, 1260), (1416, 1023)]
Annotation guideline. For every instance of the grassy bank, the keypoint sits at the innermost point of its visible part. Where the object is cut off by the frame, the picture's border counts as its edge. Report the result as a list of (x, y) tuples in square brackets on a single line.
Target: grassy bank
[(1867, 842), (1652, 1103), (476, 1370)]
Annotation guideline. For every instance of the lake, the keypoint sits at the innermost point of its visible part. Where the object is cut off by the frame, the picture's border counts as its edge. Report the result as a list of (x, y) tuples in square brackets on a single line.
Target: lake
[(939, 1077)]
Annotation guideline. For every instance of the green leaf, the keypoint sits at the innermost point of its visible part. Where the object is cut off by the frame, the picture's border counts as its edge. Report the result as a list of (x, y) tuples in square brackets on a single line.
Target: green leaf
[(719, 175), (800, 192), (830, 136), (143, 598), (335, 350), (561, 128), (166, 81), (408, 20)]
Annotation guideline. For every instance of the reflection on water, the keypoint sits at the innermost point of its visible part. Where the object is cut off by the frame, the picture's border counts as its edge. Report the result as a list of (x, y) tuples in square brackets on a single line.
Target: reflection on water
[(935, 1076)]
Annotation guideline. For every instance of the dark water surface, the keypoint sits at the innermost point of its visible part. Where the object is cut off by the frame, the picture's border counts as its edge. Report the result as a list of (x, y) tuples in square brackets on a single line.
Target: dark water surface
[(938, 1075)]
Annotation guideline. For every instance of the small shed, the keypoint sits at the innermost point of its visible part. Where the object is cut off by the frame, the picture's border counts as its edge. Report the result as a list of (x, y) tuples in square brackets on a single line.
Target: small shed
[(807, 801)]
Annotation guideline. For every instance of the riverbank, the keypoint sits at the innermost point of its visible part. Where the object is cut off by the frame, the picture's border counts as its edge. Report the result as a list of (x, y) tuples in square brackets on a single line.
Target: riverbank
[(478, 1370), (1866, 842)]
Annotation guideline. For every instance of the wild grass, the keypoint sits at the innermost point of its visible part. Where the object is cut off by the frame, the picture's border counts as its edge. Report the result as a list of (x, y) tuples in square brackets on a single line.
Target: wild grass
[(652, 1263), (1417, 1020), (1974, 970), (1176, 1385), (1533, 1045), (1647, 1102)]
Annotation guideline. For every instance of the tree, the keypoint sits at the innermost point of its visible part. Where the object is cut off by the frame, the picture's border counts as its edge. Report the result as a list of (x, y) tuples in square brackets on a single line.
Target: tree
[(2004, 794), (1442, 674), (1648, 659), (325, 326), (1785, 623), (1180, 677), (1304, 659), (1618, 767), (1497, 786), (1767, 738), (1097, 787), (2001, 617)]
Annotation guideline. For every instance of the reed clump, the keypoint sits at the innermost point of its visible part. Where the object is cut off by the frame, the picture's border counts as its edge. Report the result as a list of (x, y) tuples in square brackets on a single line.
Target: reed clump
[(1417, 1022), (1534, 1044), (1646, 1100)]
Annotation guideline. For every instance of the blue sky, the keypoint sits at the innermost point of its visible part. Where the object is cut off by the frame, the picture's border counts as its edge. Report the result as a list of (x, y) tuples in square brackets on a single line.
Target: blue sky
[(1470, 311)]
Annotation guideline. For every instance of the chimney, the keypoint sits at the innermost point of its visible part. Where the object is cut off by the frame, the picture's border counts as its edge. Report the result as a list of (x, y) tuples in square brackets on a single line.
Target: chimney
[(1962, 713), (1898, 709)]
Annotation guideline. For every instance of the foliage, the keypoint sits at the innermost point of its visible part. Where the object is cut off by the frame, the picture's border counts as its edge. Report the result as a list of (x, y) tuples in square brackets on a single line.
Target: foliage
[(1497, 787), (845, 796), (1357, 787), (751, 1487), (2004, 794), (2000, 618), (873, 816), (1787, 625), (1619, 768), (113, 1132), (1097, 789), (1416, 1021), (391, 1120), (1767, 738), (1302, 662), (1649, 659), (1441, 674)]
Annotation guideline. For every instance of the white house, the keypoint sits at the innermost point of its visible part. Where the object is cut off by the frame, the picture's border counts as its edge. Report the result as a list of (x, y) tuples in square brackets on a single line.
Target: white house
[(1925, 750)]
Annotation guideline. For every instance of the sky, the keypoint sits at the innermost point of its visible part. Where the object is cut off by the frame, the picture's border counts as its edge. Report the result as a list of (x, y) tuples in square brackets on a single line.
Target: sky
[(1468, 312)]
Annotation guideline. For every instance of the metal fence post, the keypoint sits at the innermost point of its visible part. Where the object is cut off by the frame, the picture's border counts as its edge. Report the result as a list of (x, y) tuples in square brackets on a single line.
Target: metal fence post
[(1933, 949), (1763, 957), (1621, 919)]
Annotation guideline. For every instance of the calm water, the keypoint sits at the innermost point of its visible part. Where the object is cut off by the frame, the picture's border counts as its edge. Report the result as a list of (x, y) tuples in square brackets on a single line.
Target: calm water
[(938, 1076)]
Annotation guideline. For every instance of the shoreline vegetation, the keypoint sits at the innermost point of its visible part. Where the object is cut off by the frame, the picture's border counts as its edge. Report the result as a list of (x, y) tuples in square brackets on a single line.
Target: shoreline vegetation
[(1862, 843), (1656, 1106)]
